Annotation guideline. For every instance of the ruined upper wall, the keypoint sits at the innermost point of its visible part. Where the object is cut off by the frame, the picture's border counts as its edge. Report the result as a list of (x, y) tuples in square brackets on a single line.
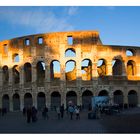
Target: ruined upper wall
[(52, 42)]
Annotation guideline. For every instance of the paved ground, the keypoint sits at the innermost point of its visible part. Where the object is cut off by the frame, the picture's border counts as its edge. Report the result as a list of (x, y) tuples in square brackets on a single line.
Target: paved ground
[(128, 121)]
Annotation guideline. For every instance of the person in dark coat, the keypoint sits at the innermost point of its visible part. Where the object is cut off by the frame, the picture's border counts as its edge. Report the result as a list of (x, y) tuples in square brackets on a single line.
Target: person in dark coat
[(24, 111), (34, 114), (45, 113), (62, 111), (29, 114)]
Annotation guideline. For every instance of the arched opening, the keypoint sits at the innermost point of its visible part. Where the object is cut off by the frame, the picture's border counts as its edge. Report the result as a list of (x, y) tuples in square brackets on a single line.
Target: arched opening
[(16, 75), (16, 58), (70, 53), (27, 72), (103, 93), (131, 68), (116, 67), (16, 102), (86, 99), (28, 101), (55, 70), (132, 98), (101, 67), (71, 97), (40, 71), (86, 69), (41, 101), (118, 98), (5, 102), (5, 75), (70, 70), (55, 100), (129, 52)]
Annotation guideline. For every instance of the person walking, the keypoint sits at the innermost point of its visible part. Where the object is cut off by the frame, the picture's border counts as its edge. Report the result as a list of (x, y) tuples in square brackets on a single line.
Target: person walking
[(62, 111), (58, 112), (45, 113), (24, 111), (29, 114), (34, 114), (71, 110), (77, 111)]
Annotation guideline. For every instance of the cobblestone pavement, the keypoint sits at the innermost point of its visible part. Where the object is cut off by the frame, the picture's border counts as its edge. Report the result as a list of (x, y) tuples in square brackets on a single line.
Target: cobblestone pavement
[(128, 121)]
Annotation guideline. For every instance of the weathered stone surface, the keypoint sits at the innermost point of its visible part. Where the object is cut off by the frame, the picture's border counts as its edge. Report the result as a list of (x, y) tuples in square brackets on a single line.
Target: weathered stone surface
[(33, 72)]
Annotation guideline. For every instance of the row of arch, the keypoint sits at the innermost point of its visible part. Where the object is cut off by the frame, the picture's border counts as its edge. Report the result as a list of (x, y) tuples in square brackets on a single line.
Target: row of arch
[(70, 52), (70, 96), (55, 72)]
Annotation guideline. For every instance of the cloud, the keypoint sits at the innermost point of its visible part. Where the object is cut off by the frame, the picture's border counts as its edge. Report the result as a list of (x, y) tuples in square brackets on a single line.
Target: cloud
[(37, 19), (72, 10)]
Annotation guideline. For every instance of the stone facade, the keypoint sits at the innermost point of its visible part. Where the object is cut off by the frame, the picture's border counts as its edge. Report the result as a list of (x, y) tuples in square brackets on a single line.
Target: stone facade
[(27, 76)]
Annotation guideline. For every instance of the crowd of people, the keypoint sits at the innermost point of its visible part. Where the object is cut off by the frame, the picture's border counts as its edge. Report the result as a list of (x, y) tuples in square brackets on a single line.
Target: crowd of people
[(31, 113)]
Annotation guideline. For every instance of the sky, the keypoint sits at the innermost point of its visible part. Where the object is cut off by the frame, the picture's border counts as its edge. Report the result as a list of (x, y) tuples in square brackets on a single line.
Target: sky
[(116, 25)]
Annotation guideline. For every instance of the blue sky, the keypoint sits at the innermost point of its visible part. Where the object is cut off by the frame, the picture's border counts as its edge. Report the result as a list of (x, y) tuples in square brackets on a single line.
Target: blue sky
[(116, 25)]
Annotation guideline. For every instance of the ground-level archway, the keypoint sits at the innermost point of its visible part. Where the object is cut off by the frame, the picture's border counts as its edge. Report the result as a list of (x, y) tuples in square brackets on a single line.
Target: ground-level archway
[(5, 102), (71, 97), (55, 100), (86, 99), (103, 93), (41, 101), (132, 98), (118, 97), (16, 102), (28, 101)]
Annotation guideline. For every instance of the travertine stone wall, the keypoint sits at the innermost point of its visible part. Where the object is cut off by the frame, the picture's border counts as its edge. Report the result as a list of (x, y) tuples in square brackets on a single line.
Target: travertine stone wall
[(87, 45)]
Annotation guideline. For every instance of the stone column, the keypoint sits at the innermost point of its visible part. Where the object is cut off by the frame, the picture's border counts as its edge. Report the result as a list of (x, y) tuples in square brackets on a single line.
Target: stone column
[(124, 68), (78, 63), (48, 100), (34, 73), (62, 61), (21, 101), (10, 60), (125, 99), (22, 75), (62, 71), (34, 97), (94, 70), (11, 102), (138, 69), (10, 76), (109, 68), (111, 96), (47, 72), (79, 98), (63, 99)]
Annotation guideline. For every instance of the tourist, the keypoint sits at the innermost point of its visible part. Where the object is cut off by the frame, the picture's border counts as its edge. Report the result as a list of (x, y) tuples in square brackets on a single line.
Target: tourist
[(24, 111), (58, 112), (34, 114), (77, 111), (45, 113), (29, 114), (62, 111), (71, 110)]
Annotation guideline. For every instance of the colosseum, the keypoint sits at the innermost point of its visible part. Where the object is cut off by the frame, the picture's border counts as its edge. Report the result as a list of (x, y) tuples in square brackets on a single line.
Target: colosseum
[(55, 68)]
